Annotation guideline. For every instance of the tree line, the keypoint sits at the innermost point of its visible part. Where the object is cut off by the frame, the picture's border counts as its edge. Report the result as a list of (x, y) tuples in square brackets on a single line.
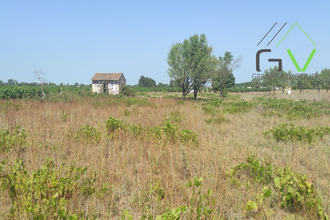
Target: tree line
[(274, 79)]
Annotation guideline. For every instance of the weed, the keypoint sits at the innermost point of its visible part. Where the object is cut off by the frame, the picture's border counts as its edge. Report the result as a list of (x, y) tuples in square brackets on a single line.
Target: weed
[(127, 113), (8, 139), (200, 203), (88, 134), (189, 137)]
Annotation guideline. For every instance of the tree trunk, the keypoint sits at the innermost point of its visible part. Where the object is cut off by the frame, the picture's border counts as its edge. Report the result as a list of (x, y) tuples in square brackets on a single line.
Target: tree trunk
[(221, 93), (300, 90), (318, 90), (195, 94), (183, 94)]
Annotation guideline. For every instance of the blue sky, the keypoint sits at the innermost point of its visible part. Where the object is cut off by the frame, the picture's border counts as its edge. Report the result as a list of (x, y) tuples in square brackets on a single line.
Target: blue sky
[(71, 40)]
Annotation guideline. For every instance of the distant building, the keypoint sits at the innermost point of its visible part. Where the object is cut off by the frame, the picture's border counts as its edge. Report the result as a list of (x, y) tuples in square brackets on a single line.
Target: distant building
[(111, 83)]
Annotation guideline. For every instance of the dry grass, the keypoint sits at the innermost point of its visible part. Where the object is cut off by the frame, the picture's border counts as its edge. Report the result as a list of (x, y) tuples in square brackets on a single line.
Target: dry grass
[(131, 165)]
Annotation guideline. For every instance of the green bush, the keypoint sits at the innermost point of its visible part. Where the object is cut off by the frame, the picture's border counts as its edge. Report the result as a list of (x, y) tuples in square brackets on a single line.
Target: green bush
[(127, 91), (293, 109), (45, 193), (88, 134), (289, 132), (189, 137), (292, 190), (9, 140)]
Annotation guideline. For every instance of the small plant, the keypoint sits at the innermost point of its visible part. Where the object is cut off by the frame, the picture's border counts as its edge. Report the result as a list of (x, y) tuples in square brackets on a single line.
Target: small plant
[(113, 125), (127, 113), (172, 214), (64, 117), (289, 132), (238, 107), (174, 117), (9, 140), (88, 134), (189, 137), (170, 130), (252, 206), (200, 203)]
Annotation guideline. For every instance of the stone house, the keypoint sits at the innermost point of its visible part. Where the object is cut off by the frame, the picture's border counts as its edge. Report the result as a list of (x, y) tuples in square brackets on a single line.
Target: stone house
[(111, 83)]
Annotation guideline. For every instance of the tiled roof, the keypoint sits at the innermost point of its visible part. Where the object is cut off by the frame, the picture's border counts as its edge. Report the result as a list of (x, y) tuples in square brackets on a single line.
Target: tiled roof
[(107, 76)]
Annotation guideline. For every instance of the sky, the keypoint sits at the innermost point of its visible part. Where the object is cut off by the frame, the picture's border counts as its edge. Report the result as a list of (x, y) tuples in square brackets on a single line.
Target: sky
[(70, 40)]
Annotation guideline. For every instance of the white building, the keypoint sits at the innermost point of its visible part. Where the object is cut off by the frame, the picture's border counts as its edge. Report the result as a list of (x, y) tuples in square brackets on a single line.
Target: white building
[(108, 82)]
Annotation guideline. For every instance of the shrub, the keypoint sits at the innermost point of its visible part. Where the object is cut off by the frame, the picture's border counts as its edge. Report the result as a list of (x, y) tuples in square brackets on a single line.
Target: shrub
[(127, 91), (289, 132), (189, 137), (88, 134), (8, 139), (293, 190), (43, 194), (293, 109)]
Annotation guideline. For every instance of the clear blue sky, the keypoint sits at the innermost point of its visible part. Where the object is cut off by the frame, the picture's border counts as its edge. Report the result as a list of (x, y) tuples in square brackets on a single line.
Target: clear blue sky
[(71, 40)]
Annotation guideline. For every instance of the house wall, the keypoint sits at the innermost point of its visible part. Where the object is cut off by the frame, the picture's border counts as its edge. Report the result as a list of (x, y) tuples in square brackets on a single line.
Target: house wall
[(113, 86), (122, 82)]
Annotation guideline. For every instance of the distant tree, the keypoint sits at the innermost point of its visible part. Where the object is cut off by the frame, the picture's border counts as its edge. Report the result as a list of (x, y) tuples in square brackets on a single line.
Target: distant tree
[(24, 84), (162, 85), (51, 84), (275, 79), (302, 81), (12, 82), (190, 64), (325, 78), (317, 81), (41, 77), (146, 82), (1, 83), (256, 83), (223, 76), (33, 84)]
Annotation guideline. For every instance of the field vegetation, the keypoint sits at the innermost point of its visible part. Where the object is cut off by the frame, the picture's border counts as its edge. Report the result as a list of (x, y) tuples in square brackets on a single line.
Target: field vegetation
[(79, 155)]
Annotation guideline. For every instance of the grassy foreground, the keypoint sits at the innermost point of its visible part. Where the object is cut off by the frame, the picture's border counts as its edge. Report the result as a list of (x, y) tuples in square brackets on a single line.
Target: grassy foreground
[(254, 155)]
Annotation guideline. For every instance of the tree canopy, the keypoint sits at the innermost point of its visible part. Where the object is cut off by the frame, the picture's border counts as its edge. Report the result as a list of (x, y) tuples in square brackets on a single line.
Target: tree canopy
[(223, 76), (191, 64), (146, 82)]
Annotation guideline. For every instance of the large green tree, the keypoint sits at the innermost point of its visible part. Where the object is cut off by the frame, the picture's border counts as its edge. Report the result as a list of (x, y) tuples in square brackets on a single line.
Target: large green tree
[(190, 64), (223, 76), (146, 82)]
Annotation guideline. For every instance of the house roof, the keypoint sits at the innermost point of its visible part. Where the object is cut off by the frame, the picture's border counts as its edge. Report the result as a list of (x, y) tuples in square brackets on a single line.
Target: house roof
[(107, 76)]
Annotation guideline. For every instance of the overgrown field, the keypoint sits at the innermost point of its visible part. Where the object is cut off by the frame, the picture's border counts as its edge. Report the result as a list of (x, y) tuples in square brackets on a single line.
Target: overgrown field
[(155, 156)]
